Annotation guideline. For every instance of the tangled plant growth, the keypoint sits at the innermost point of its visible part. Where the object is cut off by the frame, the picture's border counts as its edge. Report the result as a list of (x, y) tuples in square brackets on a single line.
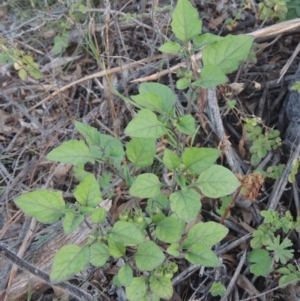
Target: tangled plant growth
[(151, 239)]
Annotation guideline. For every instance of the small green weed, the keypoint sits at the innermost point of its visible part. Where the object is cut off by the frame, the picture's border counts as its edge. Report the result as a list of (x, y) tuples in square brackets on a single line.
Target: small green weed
[(269, 246), (261, 142)]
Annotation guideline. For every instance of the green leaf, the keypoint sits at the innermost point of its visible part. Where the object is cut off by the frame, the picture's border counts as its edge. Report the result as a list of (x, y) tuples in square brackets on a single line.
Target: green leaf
[(71, 221), (200, 254), (183, 83), (205, 39), (170, 47), (59, 44), (125, 275), (168, 230), (116, 281), (173, 250), (137, 289), (163, 91), (149, 101), (217, 181), (86, 210), (186, 204), (44, 205), (148, 256), (185, 21), (197, 160), (82, 9), (280, 249), (116, 249), (69, 261), (289, 279), (186, 125), (171, 160), (211, 76), (141, 151), (99, 216), (35, 73), (73, 151), (228, 53), (262, 262), (208, 234), (88, 192), (146, 185), (99, 254), (102, 147), (161, 287), (79, 173), (23, 74), (127, 233), (145, 125), (217, 289)]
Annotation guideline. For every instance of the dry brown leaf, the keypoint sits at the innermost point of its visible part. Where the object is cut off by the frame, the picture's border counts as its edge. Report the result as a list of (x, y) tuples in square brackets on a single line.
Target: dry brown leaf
[(214, 23), (63, 170)]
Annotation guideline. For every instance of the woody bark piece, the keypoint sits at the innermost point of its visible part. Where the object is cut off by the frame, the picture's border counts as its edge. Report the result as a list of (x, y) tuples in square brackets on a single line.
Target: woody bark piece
[(42, 258), (213, 111)]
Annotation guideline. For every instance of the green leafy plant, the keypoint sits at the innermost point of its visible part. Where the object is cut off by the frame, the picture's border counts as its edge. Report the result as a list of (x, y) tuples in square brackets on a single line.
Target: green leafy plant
[(273, 9), (262, 142), (269, 246), (24, 64), (149, 239)]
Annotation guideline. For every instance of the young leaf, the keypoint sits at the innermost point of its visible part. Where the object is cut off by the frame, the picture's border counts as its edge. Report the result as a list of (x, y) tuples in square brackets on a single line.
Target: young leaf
[(148, 256), (217, 181), (149, 101), (208, 234), (200, 254), (183, 83), (125, 275), (145, 125), (217, 289), (186, 204), (146, 185), (116, 281), (228, 53), (197, 160), (99, 254), (171, 160), (280, 249), (69, 261), (127, 233), (88, 192), (116, 249), (71, 221), (168, 230), (73, 151), (98, 216), (163, 91), (161, 287), (186, 125), (79, 173), (141, 151), (170, 47), (205, 39), (173, 250), (137, 289), (185, 21), (44, 205), (262, 262), (101, 146), (211, 76)]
